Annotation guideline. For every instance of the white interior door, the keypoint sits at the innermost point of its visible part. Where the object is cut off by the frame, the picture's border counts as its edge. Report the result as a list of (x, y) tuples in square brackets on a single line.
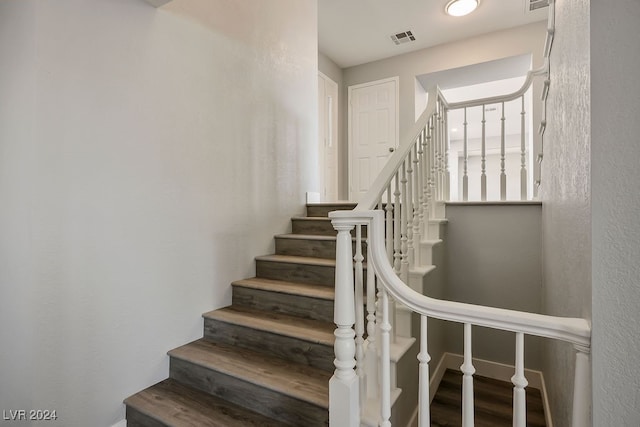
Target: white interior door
[(328, 138), (373, 132)]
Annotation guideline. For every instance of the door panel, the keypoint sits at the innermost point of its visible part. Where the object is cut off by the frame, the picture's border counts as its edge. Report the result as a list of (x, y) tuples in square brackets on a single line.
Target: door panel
[(374, 132)]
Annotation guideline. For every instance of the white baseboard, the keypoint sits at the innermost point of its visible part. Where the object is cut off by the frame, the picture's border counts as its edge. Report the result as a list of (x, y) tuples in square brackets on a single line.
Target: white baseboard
[(122, 423), (545, 403), (438, 373), (313, 197), (495, 370)]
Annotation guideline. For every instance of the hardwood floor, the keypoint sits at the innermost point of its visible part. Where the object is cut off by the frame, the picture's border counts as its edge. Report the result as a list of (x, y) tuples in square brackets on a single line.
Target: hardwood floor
[(493, 403)]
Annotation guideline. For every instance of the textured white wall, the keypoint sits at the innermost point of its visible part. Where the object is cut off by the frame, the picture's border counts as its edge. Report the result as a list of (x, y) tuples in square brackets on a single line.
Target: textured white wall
[(566, 194), (615, 201), (144, 160), (527, 39)]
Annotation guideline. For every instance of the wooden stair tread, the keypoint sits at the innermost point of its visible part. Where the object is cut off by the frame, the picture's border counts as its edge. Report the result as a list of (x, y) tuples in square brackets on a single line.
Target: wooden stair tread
[(295, 380), (284, 287), (310, 330), (178, 405), (290, 259)]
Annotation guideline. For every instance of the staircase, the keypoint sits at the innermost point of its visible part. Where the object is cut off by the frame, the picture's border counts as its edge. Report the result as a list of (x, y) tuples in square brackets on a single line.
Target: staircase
[(266, 360)]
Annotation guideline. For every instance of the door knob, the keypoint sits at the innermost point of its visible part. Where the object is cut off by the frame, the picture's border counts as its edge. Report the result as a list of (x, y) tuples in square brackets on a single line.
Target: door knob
[(391, 149)]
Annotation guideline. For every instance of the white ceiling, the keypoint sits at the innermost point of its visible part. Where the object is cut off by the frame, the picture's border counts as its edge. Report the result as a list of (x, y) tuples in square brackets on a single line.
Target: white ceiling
[(353, 32)]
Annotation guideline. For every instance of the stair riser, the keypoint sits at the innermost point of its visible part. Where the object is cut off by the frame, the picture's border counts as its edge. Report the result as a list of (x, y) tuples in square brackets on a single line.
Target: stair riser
[(311, 248), (312, 226), (317, 227), (138, 419), (306, 247), (251, 396), (302, 273), (323, 210), (309, 308), (291, 349)]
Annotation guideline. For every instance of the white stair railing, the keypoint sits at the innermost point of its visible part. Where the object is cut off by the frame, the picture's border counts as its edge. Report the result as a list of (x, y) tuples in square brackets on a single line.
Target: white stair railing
[(480, 107), (344, 389)]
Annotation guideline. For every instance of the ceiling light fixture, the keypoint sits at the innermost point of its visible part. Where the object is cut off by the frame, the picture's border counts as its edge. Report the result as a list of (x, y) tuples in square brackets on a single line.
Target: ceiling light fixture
[(461, 7)]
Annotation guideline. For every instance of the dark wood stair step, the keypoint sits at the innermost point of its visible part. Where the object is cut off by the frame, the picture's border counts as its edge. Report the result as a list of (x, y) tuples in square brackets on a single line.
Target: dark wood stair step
[(289, 392), (493, 404), (310, 270), (311, 245), (170, 403), (292, 338), (298, 299), (312, 225), (323, 209), (319, 226)]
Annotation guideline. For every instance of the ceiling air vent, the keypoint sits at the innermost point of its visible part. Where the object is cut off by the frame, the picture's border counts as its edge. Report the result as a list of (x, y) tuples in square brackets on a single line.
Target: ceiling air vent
[(536, 4), (404, 37)]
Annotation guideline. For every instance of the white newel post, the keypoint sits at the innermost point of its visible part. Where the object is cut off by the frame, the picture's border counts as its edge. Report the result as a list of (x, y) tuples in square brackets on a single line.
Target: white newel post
[(582, 389), (344, 405)]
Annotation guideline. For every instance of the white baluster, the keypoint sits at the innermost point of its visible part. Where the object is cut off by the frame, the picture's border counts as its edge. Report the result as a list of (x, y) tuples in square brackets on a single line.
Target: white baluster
[(445, 135), (389, 225), (483, 159), (432, 163), (344, 387), (465, 169), (404, 219), (523, 155), (440, 155), (582, 389), (467, 380), (359, 327), (423, 384), (503, 175), (410, 214), (371, 356), (385, 362), (438, 146), (519, 383), (418, 196), (397, 252)]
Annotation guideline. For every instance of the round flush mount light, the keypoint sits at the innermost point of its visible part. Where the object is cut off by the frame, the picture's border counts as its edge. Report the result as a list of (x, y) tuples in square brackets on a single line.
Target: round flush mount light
[(461, 7)]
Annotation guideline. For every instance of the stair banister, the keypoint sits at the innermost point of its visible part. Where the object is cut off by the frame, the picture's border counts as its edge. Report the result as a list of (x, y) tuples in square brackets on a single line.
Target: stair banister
[(576, 331), (572, 330), (542, 71)]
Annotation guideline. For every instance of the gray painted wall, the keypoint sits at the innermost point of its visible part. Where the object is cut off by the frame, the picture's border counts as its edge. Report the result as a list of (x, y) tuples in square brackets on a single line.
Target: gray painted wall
[(566, 195), (615, 207), (494, 258)]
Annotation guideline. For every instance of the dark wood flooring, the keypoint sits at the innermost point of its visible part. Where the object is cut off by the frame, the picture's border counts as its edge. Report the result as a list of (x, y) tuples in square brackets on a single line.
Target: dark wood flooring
[(493, 403)]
